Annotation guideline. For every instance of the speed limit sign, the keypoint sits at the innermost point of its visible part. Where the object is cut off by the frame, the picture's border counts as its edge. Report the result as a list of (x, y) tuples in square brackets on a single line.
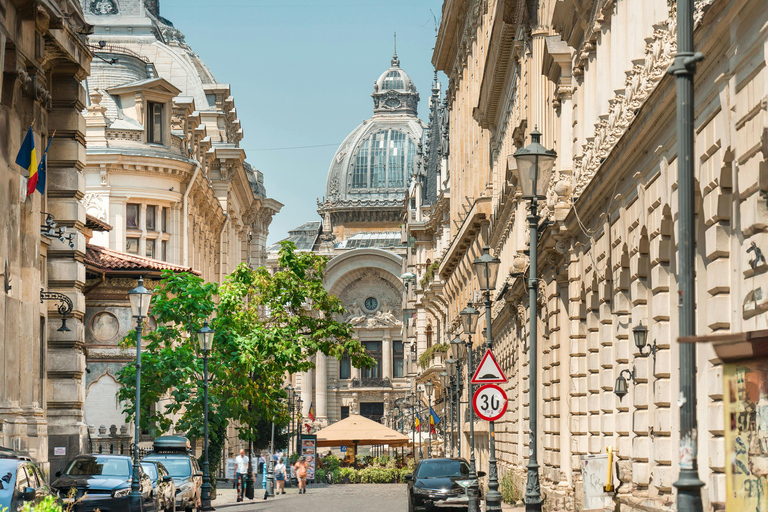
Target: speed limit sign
[(490, 402)]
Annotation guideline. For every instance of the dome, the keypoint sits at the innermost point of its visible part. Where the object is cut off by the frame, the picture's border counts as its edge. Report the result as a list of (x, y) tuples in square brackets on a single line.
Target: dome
[(373, 165)]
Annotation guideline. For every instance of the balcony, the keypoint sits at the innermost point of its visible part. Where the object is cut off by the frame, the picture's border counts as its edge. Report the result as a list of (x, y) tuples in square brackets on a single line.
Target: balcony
[(434, 356), (372, 382)]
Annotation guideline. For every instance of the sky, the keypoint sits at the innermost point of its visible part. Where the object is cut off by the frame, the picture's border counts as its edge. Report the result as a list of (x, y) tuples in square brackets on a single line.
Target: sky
[(302, 73)]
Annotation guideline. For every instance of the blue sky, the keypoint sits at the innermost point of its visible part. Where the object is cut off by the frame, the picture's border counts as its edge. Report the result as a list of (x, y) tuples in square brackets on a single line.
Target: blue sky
[(302, 73)]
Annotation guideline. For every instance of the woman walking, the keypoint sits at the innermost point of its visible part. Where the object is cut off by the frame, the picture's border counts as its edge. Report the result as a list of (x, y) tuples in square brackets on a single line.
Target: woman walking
[(280, 477), (301, 474)]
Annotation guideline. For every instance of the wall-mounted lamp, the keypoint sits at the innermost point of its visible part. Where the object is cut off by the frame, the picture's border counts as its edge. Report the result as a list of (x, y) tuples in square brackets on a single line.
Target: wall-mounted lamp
[(52, 230), (65, 306), (620, 388), (640, 334)]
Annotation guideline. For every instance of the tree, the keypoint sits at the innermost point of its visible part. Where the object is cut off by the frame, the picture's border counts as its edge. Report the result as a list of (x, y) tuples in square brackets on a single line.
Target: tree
[(266, 325)]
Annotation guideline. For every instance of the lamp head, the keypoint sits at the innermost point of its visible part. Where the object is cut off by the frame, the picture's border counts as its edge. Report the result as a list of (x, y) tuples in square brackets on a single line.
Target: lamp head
[(428, 386), (534, 164), (444, 379), (205, 338), (140, 298), (641, 335), (450, 364), (620, 388), (486, 269), (469, 316), (458, 348)]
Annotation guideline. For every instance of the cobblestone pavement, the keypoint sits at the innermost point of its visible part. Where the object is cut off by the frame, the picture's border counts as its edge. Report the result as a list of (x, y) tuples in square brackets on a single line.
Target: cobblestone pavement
[(322, 498)]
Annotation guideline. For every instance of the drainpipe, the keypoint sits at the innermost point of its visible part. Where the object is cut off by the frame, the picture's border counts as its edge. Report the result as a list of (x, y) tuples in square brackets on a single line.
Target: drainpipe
[(185, 217), (221, 247)]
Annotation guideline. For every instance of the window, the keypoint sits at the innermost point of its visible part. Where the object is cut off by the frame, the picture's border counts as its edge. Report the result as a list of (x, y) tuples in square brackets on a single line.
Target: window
[(397, 156), (398, 355), (385, 159), (374, 350), (164, 250), (429, 336), (150, 249), (379, 160), (164, 220), (394, 80), (132, 245), (360, 172), (344, 411), (151, 217), (155, 123), (345, 368), (132, 216)]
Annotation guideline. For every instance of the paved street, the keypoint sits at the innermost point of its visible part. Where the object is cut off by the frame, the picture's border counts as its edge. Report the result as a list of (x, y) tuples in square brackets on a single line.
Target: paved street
[(322, 498)]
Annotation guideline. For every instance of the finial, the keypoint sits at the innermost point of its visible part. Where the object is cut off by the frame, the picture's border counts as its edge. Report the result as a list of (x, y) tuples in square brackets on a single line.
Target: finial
[(395, 60)]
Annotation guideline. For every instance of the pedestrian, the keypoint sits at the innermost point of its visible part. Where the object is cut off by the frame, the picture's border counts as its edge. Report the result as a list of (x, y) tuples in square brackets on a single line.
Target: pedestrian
[(262, 472), (242, 470), (301, 474), (280, 477)]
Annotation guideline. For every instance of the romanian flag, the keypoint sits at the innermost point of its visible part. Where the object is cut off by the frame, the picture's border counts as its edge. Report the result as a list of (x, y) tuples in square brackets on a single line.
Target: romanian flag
[(42, 169), (434, 419), (417, 422), (27, 158), (311, 412)]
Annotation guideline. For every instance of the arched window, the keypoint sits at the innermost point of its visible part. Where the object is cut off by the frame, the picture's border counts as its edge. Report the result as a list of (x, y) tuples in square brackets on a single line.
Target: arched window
[(360, 172), (394, 80), (429, 336)]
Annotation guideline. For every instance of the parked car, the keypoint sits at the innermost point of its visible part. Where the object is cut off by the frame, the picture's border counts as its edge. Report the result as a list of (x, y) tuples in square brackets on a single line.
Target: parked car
[(439, 483), (102, 482), (21, 481), (162, 483), (174, 453)]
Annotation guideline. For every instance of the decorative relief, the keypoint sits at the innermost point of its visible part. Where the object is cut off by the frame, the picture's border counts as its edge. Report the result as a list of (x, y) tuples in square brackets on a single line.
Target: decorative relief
[(105, 326), (127, 135), (96, 205), (359, 297), (103, 7)]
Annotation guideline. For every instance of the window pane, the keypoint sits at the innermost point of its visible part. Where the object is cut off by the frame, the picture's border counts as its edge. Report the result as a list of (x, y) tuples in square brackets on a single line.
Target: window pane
[(397, 355), (345, 369), (394, 80), (131, 216), (150, 249), (132, 245), (374, 350), (396, 158), (164, 220), (164, 250), (379, 160), (360, 172), (151, 216), (156, 124)]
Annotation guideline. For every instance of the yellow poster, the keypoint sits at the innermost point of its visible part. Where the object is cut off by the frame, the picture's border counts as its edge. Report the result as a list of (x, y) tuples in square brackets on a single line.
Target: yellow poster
[(746, 436)]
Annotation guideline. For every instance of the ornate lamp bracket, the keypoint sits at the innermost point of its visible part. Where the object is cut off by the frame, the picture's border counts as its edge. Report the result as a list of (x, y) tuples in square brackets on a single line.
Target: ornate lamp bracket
[(64, 307)]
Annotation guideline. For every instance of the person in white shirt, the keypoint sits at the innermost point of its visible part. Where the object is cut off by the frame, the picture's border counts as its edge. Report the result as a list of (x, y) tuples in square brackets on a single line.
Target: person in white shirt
[(280, 477), (241, 472)]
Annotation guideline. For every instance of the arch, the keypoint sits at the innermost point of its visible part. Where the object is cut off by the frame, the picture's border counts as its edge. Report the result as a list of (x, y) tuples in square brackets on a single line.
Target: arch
[(101, 404), (353, 263)]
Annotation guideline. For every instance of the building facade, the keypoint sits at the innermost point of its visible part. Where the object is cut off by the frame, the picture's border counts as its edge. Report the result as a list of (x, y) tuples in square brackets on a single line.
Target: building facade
[(591, 76), (361, 233)]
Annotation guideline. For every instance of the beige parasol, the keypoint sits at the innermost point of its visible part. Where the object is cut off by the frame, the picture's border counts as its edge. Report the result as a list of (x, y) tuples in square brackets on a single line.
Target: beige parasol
[(358, 430)]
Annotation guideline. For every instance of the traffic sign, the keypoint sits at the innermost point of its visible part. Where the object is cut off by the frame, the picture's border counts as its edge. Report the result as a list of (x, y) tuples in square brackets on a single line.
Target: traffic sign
[(490, 402), (489, 371)]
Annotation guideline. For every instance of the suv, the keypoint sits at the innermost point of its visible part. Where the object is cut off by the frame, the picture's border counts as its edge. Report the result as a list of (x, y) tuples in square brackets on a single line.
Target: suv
[(174, 453), (21, 481)]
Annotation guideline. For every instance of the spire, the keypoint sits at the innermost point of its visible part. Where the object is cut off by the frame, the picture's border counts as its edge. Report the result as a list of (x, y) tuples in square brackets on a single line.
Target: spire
[(395, 60)]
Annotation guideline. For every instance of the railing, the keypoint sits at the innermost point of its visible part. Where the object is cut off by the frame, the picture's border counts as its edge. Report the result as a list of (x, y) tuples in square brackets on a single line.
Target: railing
[(372, 382), (114, 442)]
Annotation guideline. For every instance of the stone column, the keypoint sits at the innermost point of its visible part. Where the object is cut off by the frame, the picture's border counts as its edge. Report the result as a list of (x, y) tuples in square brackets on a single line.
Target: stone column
[(321, 386), (386, 356), (66, 272), (306, 391)]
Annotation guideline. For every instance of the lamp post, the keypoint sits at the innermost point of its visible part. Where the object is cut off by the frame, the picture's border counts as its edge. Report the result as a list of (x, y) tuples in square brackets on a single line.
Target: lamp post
[(205, 339), (534, 163), (445, 381), (289, 392), (428, 386), (418, 412), (412, 400), (450, 363), (469, 317), (487, 270), (140, 298), (684, 67), (299, 412)]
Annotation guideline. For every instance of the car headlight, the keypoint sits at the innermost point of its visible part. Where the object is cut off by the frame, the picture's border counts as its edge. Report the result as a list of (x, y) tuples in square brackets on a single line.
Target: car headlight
[(121, 493)]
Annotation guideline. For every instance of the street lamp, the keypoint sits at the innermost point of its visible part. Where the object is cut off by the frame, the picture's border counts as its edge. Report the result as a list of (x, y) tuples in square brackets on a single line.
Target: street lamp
[(445, 380), (289, 392), (299, 413), (140, 298), (450, 364), (487, 270), (428, 386), (469, 317), (534, 163), (205, 340), (421, 420), (640, 335)]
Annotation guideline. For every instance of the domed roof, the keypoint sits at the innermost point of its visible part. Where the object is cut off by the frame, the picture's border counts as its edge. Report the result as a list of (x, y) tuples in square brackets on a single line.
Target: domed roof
[(373, 165)]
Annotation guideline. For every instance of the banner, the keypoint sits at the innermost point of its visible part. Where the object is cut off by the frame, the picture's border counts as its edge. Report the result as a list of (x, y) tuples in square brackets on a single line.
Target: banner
[(309, 451)]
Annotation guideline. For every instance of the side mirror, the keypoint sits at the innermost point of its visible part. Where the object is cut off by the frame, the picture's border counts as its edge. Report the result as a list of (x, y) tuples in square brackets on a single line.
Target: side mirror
[(167, 479), (480, 474), (58, 473), (409, 477), (29, 494)]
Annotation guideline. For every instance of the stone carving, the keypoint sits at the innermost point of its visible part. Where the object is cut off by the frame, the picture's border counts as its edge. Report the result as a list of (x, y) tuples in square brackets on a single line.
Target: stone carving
[(96, 205), (105, 326), (103, 7)]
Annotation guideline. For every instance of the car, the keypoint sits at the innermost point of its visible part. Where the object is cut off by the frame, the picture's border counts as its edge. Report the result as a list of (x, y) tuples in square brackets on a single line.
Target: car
[(21, 481), (439, 483), (174, 453), (162, 482), (102, 482)]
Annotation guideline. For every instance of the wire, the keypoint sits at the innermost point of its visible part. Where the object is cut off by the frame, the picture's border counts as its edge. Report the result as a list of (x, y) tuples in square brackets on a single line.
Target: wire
[(293, 147)]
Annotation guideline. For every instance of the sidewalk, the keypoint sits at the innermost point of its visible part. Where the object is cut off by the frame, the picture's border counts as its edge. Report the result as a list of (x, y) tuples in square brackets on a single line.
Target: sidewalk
[(226, 496)]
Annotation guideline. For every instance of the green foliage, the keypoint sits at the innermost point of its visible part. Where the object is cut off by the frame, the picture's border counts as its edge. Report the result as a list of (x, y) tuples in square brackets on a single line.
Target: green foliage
[(403, 472), (411, 464), (426, 358), (509, 491), (350, 474), (374, 475), (429, 273), (320, 475), (336, 475), (47, 504), (331, 462), (252, 351), (294, 457)]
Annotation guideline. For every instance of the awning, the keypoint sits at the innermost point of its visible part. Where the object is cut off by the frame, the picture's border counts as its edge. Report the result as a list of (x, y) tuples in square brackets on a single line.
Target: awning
[(358, 430)]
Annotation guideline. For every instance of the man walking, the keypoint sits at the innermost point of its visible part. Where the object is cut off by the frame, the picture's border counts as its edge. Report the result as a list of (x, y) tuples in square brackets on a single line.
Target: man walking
[(242, 471), (301, 474)]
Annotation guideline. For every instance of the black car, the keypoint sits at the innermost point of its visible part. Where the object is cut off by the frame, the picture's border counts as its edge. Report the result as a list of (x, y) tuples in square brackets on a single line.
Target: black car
[(21, 481), (102, 482), (165, 489), (174, 453), (439, 483)]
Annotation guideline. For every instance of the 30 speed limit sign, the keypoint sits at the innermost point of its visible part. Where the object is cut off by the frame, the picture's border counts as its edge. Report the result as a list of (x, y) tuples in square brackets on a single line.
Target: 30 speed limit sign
[(490, 402)]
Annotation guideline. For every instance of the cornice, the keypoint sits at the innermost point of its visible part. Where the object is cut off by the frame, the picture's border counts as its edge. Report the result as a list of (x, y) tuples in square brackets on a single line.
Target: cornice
[(478, 215)]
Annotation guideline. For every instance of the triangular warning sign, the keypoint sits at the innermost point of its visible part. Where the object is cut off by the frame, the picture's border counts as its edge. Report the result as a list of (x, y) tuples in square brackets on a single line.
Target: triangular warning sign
[(489, 371)]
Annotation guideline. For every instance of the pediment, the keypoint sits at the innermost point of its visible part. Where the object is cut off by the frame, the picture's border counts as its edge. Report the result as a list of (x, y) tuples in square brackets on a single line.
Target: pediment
[(159, 87)]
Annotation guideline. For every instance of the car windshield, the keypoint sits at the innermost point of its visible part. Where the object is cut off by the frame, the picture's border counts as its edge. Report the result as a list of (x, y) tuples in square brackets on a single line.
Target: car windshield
[(100, 466), (150, 469), (178, 467), (7, 481), (443, 469)]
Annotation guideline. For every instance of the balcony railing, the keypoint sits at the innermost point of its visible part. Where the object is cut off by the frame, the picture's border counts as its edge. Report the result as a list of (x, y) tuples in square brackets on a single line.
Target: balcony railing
[(372, 382)]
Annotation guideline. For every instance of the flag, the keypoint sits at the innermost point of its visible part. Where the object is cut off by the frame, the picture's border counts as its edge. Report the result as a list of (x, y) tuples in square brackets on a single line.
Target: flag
[(311, 412), (309, 428), (42, 169), (434, 419), (417, 422), (27, 158)]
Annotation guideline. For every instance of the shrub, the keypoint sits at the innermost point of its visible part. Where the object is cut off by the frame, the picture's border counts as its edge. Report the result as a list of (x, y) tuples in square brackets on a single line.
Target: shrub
[(331, 462), (320, 475), (336, 475), (402, 472), (48, 504), (351, 474), (383, 460), (509, 491), (373, 475), (411, 464)]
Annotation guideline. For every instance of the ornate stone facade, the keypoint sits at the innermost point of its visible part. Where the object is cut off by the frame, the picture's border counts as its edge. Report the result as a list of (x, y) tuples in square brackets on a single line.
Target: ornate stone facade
[(591, 76)]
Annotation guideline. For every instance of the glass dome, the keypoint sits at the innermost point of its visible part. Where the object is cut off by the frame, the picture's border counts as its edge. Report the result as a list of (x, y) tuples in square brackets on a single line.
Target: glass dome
[(384, 160)]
